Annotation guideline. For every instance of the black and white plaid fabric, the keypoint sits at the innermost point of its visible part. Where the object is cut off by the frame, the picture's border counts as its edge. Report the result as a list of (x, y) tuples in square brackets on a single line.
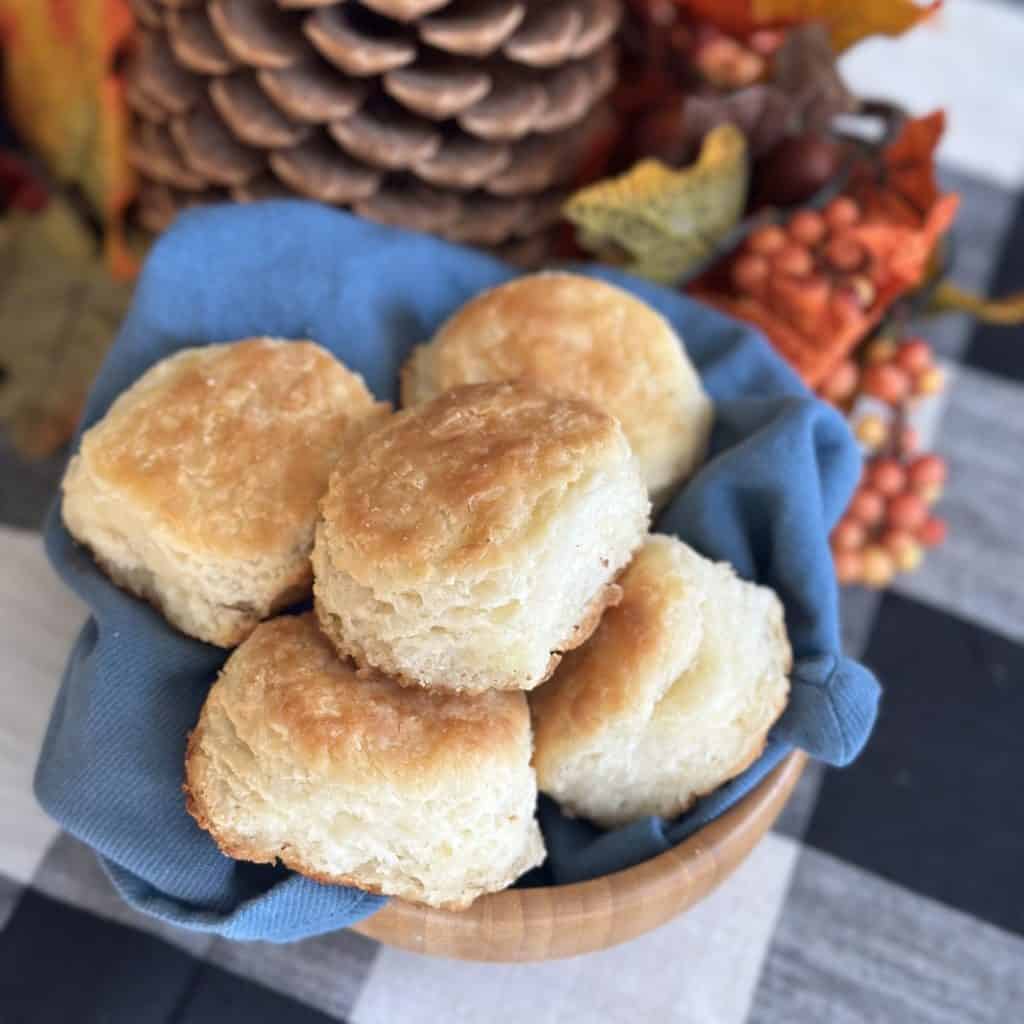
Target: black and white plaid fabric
[(889, 892)]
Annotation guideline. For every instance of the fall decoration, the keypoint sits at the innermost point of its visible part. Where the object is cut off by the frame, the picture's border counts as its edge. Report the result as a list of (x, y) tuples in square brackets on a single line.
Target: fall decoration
[(795, 170), (889, 522), (64, 85), (821, 292), (60, 312), (848, 21), (465, 119), (682, 77), (707, 144), (799, 88), (667, 221), (839, 228)]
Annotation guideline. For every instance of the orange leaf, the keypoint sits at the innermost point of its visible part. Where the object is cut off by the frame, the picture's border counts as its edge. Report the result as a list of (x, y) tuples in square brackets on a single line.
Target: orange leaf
[(903, 217), (910, 159), (902, 188), (848, 21), (812, 355)]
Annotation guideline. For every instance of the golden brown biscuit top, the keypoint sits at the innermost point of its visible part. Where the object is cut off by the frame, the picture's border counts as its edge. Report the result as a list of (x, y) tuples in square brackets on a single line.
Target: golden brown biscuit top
[(642, 642), (230, 447), (466, 479), (285, 689), (579, 335)]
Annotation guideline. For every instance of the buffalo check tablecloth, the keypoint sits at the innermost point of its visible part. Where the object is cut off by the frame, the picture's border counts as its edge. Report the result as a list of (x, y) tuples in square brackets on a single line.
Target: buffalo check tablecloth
[(889, 892)]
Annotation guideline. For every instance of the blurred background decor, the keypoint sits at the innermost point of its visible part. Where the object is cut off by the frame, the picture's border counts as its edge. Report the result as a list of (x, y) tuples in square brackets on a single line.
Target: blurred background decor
[(711, 146), (463, 120), (63, 77)]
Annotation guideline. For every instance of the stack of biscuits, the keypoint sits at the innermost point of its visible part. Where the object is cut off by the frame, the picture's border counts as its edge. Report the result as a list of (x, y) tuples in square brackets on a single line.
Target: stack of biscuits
[(487, 542)]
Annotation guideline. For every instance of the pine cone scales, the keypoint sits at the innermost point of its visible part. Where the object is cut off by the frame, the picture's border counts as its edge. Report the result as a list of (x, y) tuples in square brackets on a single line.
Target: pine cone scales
[(466, 118)]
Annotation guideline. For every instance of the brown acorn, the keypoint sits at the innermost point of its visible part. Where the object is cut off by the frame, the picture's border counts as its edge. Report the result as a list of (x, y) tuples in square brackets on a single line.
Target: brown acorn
[(796, 169)]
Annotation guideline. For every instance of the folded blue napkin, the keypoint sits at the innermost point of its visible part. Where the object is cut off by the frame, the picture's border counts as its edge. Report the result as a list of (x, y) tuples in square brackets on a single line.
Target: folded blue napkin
[(781, 470)]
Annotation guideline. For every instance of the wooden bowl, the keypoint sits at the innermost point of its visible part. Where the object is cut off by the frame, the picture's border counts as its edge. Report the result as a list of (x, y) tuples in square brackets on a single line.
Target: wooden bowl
[(566, 920)]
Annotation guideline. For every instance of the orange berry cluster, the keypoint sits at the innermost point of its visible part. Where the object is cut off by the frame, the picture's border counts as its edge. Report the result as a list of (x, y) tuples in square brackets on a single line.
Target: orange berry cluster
[(889, 520), (893, 373), (811, 265), (873, 432)]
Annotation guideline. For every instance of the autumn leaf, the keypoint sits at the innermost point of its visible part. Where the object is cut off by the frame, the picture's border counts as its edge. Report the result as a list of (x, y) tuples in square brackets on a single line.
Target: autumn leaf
[(903, 216), (64, 96), (59, 311), (660, 222), (902, 187), (848, 21), (910, 159)]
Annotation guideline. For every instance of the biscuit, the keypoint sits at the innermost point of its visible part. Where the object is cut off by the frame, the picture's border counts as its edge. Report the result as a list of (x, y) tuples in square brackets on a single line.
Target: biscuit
[(578, 335), (673, 695), (349, 779), (198, 489), (471, 540)]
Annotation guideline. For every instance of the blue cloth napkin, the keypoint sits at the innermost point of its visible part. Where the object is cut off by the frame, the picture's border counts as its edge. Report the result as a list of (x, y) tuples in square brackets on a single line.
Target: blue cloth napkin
[(110, 771)]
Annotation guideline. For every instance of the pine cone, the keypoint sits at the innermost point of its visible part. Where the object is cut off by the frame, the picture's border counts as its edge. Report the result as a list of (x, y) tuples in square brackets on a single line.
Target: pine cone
[(464, 118)]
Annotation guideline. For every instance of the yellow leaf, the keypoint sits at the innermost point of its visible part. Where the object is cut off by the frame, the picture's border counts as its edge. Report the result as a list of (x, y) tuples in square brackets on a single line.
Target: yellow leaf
[(848, 21), (666, 220)]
